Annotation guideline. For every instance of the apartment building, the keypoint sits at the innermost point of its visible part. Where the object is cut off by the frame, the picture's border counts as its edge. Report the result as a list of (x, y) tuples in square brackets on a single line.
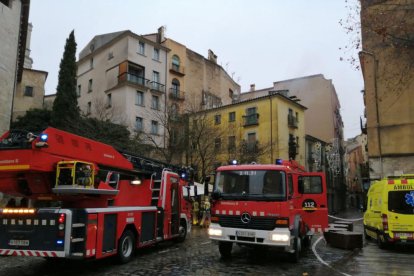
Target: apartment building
[(193, 81), (121, 77), (30, 91), (323, 128), (261, 129), (387, 59)]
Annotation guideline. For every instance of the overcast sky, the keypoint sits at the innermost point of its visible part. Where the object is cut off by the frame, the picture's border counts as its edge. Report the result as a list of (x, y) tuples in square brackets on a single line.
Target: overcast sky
[(258, 42)]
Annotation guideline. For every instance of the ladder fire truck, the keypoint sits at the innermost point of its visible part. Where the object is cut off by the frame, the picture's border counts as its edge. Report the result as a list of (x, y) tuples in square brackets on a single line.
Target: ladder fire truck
[(279, 206), (84, 199)]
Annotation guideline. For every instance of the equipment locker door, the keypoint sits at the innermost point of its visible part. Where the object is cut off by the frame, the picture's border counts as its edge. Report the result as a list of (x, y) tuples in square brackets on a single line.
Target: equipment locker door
[(311, 201), (175, 207)]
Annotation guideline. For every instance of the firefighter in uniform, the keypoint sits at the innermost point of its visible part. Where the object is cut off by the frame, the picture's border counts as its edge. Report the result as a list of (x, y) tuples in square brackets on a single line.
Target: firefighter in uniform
[(196, 211), (205, 220)]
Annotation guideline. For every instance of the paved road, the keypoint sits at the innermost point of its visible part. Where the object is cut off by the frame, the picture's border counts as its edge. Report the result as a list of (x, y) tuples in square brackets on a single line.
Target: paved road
[(198, 256)]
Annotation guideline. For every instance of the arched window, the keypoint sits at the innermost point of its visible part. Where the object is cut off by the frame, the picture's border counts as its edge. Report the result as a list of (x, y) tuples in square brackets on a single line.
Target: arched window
[(175, 88), (176, 63)]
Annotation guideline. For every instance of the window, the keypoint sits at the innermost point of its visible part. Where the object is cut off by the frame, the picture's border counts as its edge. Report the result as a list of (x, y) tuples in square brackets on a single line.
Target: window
[(141, 48), (297, 141), (290, 184), (175, 88), (217, 119), (155, 80), (79, 90), (232, 116), (310, 184), (251, 117), (231, 93), (138, 124), (156, 55), (109, 100), (91, 63), (28, 91), (251, 141), (139, 98), (90, 84), (176, 63), (155, 103), (110, 55), (154, 127), (89, 108), (232, 143), (217, 144)]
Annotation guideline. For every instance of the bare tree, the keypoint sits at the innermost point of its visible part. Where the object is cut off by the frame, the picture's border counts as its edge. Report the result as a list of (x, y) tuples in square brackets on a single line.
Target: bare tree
[(202, 136), (171, 146)]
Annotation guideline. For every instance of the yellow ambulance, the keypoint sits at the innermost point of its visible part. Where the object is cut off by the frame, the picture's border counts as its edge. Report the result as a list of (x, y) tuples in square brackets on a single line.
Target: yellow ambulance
[(389, 217)]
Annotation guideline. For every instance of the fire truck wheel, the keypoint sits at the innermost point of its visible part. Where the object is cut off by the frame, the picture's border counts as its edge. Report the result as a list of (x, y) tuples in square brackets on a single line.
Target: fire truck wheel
[(182, 232), (297, 247), (225, 249), (126, 247)]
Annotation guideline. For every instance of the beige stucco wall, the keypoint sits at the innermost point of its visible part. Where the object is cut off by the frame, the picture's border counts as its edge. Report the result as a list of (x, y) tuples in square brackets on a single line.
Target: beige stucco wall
[(389, 83), (319, 96), (22, 103), (105, 74), (9, 32)]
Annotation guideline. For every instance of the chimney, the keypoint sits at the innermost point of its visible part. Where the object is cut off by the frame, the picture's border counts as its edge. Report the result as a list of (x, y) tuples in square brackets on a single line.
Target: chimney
[(252, 87), (211, 56), (161, 33)]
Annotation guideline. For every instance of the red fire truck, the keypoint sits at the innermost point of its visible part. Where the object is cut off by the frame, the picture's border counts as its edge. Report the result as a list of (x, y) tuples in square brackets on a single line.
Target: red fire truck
[(84, 199), (278, 205)]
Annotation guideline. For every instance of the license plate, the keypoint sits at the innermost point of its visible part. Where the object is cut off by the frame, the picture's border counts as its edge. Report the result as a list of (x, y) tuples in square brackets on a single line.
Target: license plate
[(404, 235), (19, 242), (247, 234)]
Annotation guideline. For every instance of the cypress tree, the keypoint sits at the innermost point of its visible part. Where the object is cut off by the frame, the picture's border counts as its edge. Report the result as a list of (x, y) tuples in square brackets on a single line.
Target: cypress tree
[(65, 107)]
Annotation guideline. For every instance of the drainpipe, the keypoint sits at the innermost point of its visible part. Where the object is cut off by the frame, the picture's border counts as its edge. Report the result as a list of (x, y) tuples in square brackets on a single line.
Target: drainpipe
[(376, 109), (271, 131)]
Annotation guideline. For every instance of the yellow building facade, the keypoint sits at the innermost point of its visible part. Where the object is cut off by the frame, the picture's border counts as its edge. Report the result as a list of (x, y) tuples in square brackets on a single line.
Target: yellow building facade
[(260, 130)]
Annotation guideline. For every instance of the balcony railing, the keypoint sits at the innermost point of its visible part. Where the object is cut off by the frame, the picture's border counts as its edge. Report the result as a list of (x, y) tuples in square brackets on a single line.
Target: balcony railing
[(292, 121), (157, 87), (252, 119), (177, 69), (135, 79), (176, 94)]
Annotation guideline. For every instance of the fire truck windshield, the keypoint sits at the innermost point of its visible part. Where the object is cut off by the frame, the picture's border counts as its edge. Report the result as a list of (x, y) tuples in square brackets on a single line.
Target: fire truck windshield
[(17, 139), (251, 185)]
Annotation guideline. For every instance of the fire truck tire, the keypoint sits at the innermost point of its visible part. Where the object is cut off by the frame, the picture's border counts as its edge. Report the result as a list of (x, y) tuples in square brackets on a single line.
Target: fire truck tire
[(126, 247), (182, 232), (297, 247), (225, 249)]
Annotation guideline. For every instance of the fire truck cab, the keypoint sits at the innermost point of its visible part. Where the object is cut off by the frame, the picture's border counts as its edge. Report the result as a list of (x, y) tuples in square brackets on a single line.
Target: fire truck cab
[(85, 199), (279, 205)]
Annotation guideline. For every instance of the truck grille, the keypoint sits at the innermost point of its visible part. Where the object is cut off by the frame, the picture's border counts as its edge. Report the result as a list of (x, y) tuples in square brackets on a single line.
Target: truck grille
[(255, 223)]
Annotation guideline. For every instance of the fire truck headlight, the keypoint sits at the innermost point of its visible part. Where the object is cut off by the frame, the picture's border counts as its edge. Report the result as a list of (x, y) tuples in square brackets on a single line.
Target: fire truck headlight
[(215, 232), (280, 237)]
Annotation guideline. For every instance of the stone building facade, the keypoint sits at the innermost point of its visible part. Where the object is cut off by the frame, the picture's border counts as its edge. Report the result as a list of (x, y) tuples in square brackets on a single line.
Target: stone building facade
[(14, 15), (387, 62)]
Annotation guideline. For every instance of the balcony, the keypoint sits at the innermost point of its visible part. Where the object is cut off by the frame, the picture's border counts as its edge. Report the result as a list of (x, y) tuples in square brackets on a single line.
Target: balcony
[(292, 121), (176, 94), (178, 70), (157, 87), (134, 79), (251, 120)]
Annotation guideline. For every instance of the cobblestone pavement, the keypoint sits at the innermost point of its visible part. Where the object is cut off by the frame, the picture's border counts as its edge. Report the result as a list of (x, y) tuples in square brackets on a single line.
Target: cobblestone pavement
[(199, 256)]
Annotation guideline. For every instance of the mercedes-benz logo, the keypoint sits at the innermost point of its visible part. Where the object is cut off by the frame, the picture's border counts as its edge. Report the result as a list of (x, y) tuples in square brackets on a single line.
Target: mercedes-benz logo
[(245, 218)]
